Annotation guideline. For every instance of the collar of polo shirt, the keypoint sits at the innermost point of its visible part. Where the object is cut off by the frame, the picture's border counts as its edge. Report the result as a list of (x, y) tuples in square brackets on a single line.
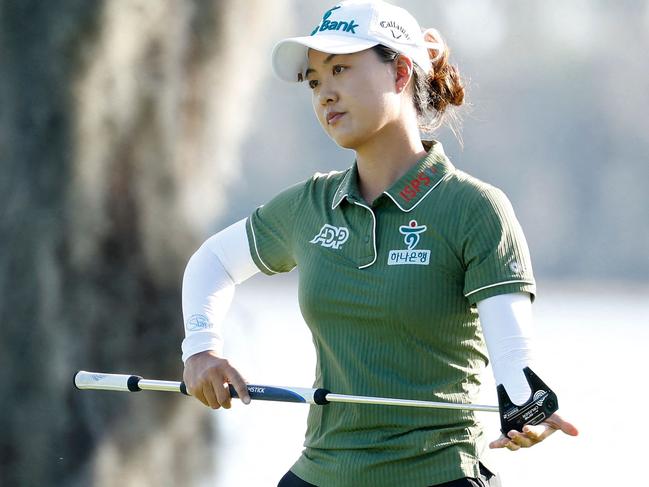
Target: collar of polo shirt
[(411, 188)]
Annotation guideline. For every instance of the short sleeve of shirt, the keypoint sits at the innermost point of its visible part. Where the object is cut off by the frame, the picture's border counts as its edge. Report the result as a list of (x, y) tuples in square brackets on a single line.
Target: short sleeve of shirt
[(270, 231), (495, 253)]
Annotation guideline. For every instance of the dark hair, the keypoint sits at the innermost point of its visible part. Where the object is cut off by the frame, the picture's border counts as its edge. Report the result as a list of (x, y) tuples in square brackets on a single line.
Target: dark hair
[(433, 92)]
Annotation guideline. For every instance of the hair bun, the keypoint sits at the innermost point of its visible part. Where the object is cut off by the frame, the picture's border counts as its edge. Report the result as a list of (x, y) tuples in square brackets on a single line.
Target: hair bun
[(445, 84)]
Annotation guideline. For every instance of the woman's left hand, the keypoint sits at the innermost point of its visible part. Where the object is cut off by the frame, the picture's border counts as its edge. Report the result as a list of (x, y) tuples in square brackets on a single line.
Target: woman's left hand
[(533, 434)]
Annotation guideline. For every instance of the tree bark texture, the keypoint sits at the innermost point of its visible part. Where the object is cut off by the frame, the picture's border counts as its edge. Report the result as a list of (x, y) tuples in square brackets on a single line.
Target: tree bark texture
[(120, 125)]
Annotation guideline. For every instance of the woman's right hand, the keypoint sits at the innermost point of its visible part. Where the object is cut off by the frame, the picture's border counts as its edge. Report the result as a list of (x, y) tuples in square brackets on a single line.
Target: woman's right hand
[(207, 376)]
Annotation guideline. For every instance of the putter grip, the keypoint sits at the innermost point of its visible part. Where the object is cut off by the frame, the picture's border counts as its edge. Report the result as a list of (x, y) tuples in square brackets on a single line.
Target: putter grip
[(110, 382), (284, 394)]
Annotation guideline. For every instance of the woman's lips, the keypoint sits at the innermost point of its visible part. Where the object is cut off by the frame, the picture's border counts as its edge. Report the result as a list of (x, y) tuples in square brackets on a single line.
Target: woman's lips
[(333, 117)]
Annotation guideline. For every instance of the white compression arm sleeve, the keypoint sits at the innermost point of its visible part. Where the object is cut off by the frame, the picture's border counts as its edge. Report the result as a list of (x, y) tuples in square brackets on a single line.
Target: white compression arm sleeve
[(507, 326), (208, 287)]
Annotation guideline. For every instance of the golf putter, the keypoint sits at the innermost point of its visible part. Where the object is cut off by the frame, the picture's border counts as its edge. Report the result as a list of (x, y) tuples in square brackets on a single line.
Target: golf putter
[(540, 405)]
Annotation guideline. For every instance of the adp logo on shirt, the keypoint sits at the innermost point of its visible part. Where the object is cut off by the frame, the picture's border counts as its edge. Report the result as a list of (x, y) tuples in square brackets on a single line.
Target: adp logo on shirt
[(331, 237)]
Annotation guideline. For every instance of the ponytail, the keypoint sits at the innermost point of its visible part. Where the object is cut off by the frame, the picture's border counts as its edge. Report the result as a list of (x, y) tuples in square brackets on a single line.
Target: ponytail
[(440, 87)]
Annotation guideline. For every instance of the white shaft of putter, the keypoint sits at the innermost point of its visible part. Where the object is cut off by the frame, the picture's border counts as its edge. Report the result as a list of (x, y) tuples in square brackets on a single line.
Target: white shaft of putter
[(386, 401)]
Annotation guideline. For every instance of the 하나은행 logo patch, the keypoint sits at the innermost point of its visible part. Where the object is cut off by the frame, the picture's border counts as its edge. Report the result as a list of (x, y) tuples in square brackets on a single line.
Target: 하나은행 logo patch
[(410, 256)]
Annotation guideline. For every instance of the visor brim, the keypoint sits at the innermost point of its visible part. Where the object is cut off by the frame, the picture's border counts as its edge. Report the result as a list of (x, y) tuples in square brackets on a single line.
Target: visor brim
[(289, 57)]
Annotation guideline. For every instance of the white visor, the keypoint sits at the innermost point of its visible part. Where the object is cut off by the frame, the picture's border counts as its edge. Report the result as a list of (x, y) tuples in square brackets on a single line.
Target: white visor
[(352, 26)]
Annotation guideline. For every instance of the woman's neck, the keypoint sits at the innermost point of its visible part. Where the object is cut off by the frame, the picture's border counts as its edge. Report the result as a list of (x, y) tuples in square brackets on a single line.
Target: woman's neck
[(384, 159)]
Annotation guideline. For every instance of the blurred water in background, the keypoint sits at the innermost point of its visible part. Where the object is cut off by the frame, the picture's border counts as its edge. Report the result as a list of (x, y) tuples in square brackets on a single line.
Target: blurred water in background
[(591, 346)]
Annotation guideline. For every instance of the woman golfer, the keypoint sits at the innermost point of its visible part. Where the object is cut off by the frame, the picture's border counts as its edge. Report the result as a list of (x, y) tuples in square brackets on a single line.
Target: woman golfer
[(411, 272)]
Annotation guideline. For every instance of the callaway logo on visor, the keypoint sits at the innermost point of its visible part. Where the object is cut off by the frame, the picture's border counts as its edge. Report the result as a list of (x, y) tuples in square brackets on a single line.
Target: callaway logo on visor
[(396, 30)]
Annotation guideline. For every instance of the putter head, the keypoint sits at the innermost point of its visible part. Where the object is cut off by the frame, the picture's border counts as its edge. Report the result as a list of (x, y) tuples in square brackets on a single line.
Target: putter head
[(541, 404)]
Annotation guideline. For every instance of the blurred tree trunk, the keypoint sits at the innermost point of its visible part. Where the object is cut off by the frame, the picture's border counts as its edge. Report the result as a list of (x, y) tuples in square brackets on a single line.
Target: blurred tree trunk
[(120, 124)]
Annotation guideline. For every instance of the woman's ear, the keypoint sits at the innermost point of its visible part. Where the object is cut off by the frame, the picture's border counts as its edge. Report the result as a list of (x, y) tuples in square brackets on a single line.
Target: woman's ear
[(403, 70)]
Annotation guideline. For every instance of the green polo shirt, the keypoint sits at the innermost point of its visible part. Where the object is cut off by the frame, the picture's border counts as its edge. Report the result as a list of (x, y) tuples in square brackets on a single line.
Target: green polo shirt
[(389, 291)]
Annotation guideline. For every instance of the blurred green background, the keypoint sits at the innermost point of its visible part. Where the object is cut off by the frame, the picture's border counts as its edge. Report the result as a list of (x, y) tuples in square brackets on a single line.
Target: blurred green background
[(131, 130)]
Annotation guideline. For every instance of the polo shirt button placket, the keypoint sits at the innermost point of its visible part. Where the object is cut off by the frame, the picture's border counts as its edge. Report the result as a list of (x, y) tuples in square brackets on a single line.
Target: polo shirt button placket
[(369, 237)]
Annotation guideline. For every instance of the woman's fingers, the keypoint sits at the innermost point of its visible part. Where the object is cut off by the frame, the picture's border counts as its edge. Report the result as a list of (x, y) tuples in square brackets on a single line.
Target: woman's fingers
[(210, 397), (513, 441), (230, 375), (512, 446), (524, 440), (198, 394), (222, 393), (504, 442), (207, 377), (499, 443), (533, 434), (239, 385), (558, 423), (540, 432)]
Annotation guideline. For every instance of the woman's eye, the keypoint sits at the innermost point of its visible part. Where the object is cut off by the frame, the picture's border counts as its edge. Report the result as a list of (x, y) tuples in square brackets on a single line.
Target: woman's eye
[(313, 83), (338, 68)]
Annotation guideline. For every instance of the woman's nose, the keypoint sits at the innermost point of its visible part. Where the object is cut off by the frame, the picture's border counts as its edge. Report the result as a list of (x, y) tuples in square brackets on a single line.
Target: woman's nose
[(327, 94)]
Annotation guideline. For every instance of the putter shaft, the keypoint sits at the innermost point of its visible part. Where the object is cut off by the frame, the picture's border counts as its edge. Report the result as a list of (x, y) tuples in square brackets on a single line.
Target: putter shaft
[(386, 401), (134, 383)]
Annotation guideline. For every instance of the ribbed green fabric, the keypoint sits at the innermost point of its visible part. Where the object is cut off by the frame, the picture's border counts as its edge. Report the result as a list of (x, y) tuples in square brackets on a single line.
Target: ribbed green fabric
[(388, 293)]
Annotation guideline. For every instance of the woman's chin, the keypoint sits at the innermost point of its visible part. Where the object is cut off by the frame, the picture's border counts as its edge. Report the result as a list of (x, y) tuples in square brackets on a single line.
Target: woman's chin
[(346, 146), (346, 141)]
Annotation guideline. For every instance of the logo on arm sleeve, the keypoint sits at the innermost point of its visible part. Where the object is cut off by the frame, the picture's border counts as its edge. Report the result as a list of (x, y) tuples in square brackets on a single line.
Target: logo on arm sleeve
[(411, 233), (198, 323), (331, 237)]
